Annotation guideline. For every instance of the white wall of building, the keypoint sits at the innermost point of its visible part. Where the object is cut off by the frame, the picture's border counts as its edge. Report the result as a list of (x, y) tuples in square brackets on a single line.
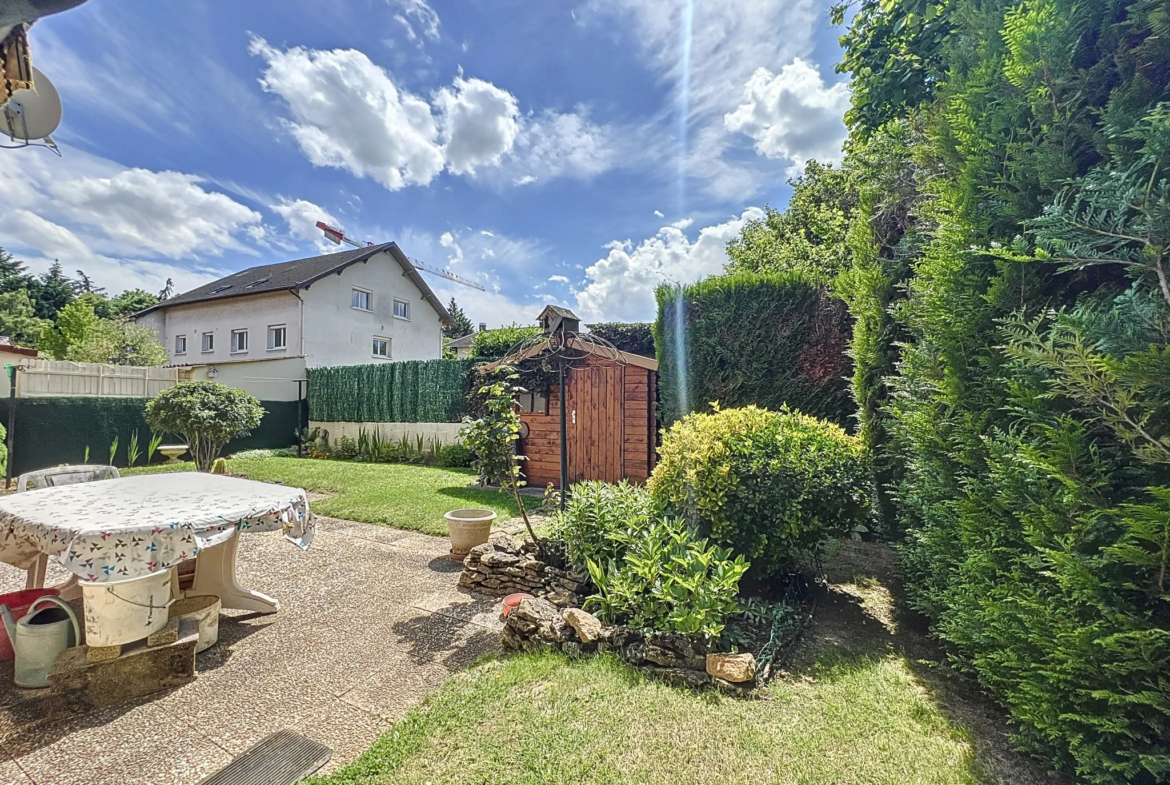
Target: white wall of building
[(254, 314), (268, 380), (338, 334)]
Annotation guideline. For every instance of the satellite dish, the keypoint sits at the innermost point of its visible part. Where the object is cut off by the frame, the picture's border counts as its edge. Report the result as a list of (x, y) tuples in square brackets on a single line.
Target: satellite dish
[(32, 114)]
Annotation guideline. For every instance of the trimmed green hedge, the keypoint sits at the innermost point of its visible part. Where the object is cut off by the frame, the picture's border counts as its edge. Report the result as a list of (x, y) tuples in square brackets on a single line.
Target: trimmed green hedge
[(753, 338), (408, 391), (55, 431)]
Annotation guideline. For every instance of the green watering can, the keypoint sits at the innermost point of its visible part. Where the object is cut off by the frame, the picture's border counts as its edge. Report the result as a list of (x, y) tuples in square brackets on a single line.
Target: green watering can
[(39, 637)]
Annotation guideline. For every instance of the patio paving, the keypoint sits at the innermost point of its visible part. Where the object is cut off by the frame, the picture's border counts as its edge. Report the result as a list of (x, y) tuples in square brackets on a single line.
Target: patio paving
[(371, 620)]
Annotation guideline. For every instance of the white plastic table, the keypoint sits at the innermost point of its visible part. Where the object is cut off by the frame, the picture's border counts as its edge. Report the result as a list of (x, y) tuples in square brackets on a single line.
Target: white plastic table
[(133, 527)]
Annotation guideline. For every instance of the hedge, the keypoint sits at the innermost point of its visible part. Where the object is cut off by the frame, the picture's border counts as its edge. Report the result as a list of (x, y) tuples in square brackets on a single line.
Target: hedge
[(631, 337), (408, 391), (767, 339), (55, 431)]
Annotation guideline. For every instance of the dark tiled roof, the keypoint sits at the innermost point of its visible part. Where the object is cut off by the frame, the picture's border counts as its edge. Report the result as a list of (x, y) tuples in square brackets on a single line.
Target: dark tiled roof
[(296, 274), (466, 340)]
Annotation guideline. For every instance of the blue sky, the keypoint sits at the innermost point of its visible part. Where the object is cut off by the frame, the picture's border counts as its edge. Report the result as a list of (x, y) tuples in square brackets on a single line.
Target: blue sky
[(578, 153)]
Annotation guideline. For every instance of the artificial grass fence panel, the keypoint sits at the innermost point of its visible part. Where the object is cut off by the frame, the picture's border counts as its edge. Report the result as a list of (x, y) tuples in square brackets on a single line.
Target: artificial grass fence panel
[(753, 338), (54, 431), (408, 391)]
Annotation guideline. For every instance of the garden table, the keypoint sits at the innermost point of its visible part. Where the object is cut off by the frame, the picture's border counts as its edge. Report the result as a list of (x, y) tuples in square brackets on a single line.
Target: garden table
[(134, 527)]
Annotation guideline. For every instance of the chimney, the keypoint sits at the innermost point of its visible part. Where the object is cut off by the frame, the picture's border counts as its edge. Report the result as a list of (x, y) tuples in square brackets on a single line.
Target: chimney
[(483, 327)]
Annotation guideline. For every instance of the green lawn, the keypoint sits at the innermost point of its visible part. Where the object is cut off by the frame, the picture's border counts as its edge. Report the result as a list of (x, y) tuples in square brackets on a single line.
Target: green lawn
[(543, 719), (399, 495)]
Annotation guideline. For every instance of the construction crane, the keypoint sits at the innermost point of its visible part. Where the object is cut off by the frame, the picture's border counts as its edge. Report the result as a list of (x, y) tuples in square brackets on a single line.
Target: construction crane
[(336, 236)]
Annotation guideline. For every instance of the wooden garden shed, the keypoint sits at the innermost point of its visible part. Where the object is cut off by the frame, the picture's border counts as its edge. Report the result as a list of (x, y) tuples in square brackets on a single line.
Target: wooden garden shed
[(611, 424)]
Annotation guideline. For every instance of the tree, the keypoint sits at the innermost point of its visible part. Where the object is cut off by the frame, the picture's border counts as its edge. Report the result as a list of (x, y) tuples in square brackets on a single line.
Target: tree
[(80, 335), (17, 319), (494, 344), (207, 414), (493, 437), (809, 235), (127, 303), (460, 325), (52, 291)]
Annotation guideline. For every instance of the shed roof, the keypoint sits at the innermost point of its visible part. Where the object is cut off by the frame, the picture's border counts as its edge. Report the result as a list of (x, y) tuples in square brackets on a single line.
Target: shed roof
[(299, 274), (534, 351)]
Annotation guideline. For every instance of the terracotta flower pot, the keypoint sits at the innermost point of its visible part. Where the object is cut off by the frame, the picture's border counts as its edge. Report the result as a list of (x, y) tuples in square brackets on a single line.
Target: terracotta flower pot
[(468, 527)]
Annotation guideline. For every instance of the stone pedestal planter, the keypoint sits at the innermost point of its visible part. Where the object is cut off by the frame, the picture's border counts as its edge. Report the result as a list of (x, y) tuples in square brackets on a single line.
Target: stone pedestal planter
[(468, 528)]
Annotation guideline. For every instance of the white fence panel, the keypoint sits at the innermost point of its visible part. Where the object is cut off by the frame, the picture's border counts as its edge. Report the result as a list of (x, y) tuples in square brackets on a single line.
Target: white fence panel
[(43, 378)]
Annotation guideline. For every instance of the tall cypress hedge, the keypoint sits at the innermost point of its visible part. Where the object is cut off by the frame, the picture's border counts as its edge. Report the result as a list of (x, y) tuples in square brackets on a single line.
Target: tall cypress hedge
[(408, 391), (767, 339)]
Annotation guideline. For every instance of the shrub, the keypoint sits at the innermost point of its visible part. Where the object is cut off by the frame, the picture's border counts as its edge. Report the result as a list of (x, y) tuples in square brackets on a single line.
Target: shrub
[(454, 456), (494, 344), (632, 337), (771, 485), (770, 339), (207, 414), (600, 520), (669, 581)]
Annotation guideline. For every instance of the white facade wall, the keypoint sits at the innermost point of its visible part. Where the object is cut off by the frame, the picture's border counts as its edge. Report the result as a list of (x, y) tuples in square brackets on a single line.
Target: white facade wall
[(268, 380), (253, 313), (338, 334)]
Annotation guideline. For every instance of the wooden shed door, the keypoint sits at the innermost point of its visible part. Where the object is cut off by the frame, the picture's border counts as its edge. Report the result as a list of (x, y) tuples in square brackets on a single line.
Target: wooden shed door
[(596, 406)]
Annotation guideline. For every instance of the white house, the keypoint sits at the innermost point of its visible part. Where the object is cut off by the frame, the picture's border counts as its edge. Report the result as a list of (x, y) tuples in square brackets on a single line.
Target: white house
[(259, 329)]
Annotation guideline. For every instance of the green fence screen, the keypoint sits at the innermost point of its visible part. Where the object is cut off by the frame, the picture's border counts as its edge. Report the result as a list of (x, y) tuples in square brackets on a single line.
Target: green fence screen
[(408, 391), (53, 431)]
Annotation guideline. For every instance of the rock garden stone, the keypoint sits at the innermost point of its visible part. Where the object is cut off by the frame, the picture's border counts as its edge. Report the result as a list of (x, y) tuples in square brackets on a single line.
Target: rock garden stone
[(735, 668), (587, 625)]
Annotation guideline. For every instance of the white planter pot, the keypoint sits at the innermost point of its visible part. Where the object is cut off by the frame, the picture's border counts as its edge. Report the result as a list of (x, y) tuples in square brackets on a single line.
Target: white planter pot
[(468, 527)]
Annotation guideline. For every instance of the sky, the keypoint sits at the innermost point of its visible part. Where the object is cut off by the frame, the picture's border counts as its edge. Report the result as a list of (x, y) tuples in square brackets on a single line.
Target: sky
[(578, 153)]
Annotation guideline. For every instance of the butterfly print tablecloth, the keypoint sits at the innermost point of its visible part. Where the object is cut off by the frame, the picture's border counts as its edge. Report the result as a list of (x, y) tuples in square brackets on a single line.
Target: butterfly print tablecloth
[(117, 530)]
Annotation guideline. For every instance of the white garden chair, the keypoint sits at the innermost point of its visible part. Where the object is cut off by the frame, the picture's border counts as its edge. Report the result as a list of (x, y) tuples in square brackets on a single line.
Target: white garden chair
[(51, 478)]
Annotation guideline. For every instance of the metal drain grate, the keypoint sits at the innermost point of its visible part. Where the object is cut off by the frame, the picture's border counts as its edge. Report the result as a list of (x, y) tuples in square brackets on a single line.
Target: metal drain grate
[(282, 758)]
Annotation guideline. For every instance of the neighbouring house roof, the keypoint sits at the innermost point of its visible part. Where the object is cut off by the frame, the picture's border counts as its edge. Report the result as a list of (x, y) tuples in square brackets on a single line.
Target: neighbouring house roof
[(464, 342), (6, 345), (299, 274)]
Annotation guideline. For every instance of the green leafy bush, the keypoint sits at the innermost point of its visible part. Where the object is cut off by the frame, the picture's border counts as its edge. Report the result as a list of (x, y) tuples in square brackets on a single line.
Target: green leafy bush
[(207, 414), (669, 581), (454, 456), (600, 520), (771, 485), (632, 337), (494, 344), (768, 339)]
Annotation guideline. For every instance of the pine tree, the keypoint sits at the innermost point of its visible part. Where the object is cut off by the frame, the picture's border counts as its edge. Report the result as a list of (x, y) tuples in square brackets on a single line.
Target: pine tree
[(460, 325)]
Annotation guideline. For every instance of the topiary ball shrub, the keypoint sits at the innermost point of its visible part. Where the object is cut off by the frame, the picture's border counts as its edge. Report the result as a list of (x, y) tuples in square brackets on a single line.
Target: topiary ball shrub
[(770, 485), (207, 414)]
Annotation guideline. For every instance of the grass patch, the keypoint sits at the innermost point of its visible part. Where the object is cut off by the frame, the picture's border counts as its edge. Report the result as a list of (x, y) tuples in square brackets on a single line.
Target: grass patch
[(544, 719), (401, 495)]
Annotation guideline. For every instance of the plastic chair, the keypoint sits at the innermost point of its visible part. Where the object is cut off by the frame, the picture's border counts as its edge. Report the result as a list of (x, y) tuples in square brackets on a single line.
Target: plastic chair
[(51, 478)]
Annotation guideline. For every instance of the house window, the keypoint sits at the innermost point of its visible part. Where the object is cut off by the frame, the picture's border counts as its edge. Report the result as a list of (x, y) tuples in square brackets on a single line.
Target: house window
[(361, 300), (401, 309), (209, 342), (180, 344), (239, 341), (381, 347), (533, 402), (277, 337)]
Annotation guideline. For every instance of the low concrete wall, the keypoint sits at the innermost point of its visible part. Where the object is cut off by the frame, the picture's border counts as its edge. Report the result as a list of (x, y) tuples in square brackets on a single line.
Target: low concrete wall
[(443, 432)]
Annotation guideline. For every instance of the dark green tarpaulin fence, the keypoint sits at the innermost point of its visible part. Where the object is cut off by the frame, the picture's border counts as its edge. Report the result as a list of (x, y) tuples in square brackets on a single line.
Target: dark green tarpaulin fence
[(408, 391), (53, 431)]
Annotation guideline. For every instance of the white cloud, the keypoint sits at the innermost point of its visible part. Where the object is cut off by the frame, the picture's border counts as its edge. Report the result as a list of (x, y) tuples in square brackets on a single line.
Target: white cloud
[(302, 217), (423, 15), (792, 114), (480, 124), (659, 213), (559, 278), (348, 114), (621, 286)]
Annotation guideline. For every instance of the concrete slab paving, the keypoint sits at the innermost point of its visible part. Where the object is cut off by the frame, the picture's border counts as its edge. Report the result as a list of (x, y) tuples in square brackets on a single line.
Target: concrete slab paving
[(371, 620)]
